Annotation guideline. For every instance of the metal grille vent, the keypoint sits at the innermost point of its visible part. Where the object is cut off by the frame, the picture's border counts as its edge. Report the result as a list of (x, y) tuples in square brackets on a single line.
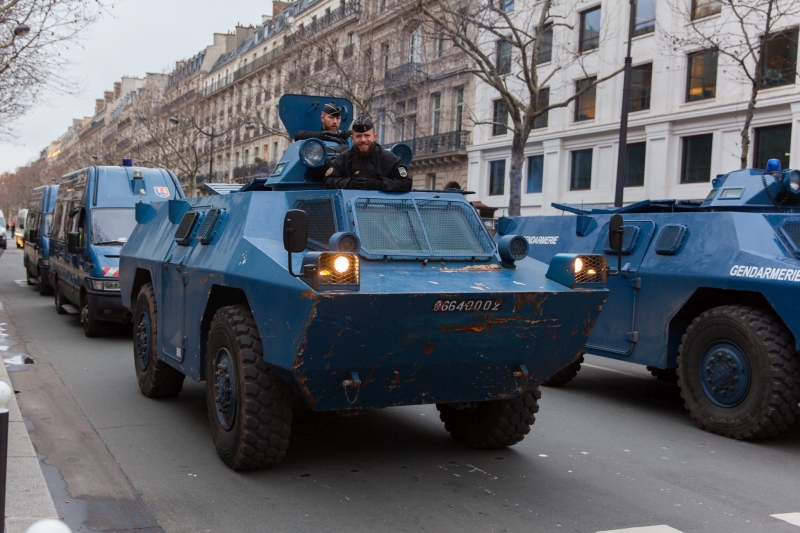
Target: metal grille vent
[(593, 271), (349, 277), (183, 235), (670, 239), (209, 226), (421, 228), (321, 219), (790, 231), (629, 241)]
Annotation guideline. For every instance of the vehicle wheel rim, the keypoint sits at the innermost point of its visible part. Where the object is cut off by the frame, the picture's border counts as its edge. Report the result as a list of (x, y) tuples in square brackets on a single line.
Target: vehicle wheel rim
[(224, 389), (725, 374), (143, 340)]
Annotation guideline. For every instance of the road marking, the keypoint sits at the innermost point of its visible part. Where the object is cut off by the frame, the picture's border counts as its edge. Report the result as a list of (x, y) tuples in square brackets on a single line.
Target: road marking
[(616, 372), (647, 529), (792, 518), (21, 282)]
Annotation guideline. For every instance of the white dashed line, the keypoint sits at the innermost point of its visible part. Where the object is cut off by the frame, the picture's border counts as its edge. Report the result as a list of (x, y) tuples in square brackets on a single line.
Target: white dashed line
[(792, 518), (647, 529)]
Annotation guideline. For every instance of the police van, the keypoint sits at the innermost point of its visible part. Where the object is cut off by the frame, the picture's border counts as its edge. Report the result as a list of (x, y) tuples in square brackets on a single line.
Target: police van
[(93, 218), (36, 256)]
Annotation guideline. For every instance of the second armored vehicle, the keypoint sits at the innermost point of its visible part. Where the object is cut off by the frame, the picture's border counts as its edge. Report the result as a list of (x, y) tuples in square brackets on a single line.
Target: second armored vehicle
[(345, 300), (36, 258)]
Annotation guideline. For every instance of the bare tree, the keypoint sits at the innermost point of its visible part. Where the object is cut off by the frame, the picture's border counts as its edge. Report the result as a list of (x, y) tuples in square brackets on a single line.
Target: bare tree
[(749, 35), (503, 47), (33, 36)]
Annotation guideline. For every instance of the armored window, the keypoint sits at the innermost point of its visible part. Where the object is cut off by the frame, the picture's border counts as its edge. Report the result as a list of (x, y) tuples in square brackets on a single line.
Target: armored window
[(702, 80), (545, 45), (704, 8), (696, 164), (535, 174), (585, 103), (641, 84), (590, 30), (581, 177), (497, 177), (780, 59), (634, 166), (321, 219), (499, 118), (772, 142), (645, 17)]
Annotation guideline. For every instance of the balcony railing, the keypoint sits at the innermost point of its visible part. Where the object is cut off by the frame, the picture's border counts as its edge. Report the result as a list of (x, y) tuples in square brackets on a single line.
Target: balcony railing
[(403, 75), (258, 63), (217, 85), (437, 144), (308, 32)]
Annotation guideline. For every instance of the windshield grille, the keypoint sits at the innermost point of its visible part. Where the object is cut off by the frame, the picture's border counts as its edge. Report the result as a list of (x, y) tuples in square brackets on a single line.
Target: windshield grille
[(421, 228)]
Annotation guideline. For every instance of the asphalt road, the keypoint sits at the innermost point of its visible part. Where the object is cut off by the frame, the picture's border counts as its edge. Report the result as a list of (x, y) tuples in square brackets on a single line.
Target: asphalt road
[(612, 450)]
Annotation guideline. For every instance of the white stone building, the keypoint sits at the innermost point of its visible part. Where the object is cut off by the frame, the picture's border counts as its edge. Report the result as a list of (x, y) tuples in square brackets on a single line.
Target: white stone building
[(684, 127)]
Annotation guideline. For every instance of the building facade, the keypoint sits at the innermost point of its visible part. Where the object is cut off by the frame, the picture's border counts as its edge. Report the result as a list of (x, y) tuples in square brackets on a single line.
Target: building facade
[(688, 105)]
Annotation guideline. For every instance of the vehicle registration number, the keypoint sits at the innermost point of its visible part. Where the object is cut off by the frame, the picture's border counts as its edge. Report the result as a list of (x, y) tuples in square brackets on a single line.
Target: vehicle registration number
[(464, 305)]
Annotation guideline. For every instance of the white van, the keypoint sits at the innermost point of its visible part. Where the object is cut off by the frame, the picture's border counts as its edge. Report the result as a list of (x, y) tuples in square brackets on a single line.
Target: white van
[(19, 231)]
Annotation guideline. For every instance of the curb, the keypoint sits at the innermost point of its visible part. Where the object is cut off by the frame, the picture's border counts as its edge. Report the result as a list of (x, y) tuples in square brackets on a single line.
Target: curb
[(28, 498)]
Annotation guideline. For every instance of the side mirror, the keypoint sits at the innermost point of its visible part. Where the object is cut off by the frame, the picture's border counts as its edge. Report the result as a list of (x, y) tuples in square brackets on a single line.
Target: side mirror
[(615, 234), (295, 234), (33, 235), (74, 246), (295, 231)]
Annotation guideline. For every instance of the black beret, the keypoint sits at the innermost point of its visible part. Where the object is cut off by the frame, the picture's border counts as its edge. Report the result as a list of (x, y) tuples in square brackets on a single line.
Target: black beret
[(332, 109), (363, 124)]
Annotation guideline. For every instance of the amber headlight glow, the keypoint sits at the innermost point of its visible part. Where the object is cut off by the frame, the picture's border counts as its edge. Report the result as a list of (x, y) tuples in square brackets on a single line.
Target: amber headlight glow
[(332, 271), (341, 264), (578, 265)]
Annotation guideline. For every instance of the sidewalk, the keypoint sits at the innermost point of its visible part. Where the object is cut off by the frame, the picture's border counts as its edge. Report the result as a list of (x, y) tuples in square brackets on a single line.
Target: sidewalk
[(27, 497)]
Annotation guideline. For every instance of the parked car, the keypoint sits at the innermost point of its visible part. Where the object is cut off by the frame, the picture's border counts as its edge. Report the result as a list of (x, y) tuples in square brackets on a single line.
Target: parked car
[(3, 231), (19, 229), (93, 218), (36, 258)]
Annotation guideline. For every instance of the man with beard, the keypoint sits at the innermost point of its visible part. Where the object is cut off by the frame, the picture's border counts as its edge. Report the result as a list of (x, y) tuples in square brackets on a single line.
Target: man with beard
[(331, 118), (366, 165)]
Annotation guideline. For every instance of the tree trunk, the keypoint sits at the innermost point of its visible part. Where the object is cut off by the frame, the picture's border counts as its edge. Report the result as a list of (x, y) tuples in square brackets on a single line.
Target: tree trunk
[(748, 118), (515, 173)]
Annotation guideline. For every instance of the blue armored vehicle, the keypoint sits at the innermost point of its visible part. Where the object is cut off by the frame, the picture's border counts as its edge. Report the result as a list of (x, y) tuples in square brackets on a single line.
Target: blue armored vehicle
[(284, 292), (93, 217), (36, 257), (706, 294)]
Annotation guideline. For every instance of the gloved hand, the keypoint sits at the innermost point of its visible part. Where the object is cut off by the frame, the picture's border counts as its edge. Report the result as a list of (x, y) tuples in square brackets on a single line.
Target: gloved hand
[(368, 184)]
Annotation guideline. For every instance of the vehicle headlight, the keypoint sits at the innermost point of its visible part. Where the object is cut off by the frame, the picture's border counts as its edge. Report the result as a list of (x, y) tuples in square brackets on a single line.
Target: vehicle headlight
[(512, 248), (332, 271), (105, 285), (792, 182), (313, 153), (577, 271)]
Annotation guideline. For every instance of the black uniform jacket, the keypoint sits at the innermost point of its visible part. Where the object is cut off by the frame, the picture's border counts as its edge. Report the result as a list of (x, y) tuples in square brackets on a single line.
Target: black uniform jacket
[(380, 171), (324, 135)]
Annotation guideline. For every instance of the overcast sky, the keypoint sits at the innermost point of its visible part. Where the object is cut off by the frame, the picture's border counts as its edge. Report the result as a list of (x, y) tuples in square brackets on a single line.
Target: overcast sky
[(142, 36)]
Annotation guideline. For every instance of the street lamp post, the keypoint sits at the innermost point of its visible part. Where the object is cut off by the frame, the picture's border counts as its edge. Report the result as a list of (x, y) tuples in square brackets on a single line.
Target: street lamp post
[(622, 156)]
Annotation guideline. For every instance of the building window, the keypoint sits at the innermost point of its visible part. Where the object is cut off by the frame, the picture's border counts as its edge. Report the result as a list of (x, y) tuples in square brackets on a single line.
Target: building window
[(414, 46), (585, 103), (535, 174), (780, 59), (702, 80), (503, 57), (581, 177), (246, 158), (385, 59), (508, 6), (541, 102), (545, 46), (401, 129), (440, 45), (634, 164), (382, 8), (641, 81), (381, 126), (773, 142), (430, 180), (500, 118), (275, 151), (590, 30), (645, 17), (459, 114), (704, 8), (696, 164), (436, 109), (497, 177)]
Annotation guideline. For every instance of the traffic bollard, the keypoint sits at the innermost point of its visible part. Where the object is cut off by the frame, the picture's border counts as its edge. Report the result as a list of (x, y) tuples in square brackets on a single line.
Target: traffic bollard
[(5, 397)]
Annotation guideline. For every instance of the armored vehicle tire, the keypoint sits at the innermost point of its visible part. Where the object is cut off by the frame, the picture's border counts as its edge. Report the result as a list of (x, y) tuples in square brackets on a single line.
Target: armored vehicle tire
[(492, 424), (249, 407), (44, 288), (668, 375), (738, 373), (565, 375), (156, 378), (59, 301), (91, 326)]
